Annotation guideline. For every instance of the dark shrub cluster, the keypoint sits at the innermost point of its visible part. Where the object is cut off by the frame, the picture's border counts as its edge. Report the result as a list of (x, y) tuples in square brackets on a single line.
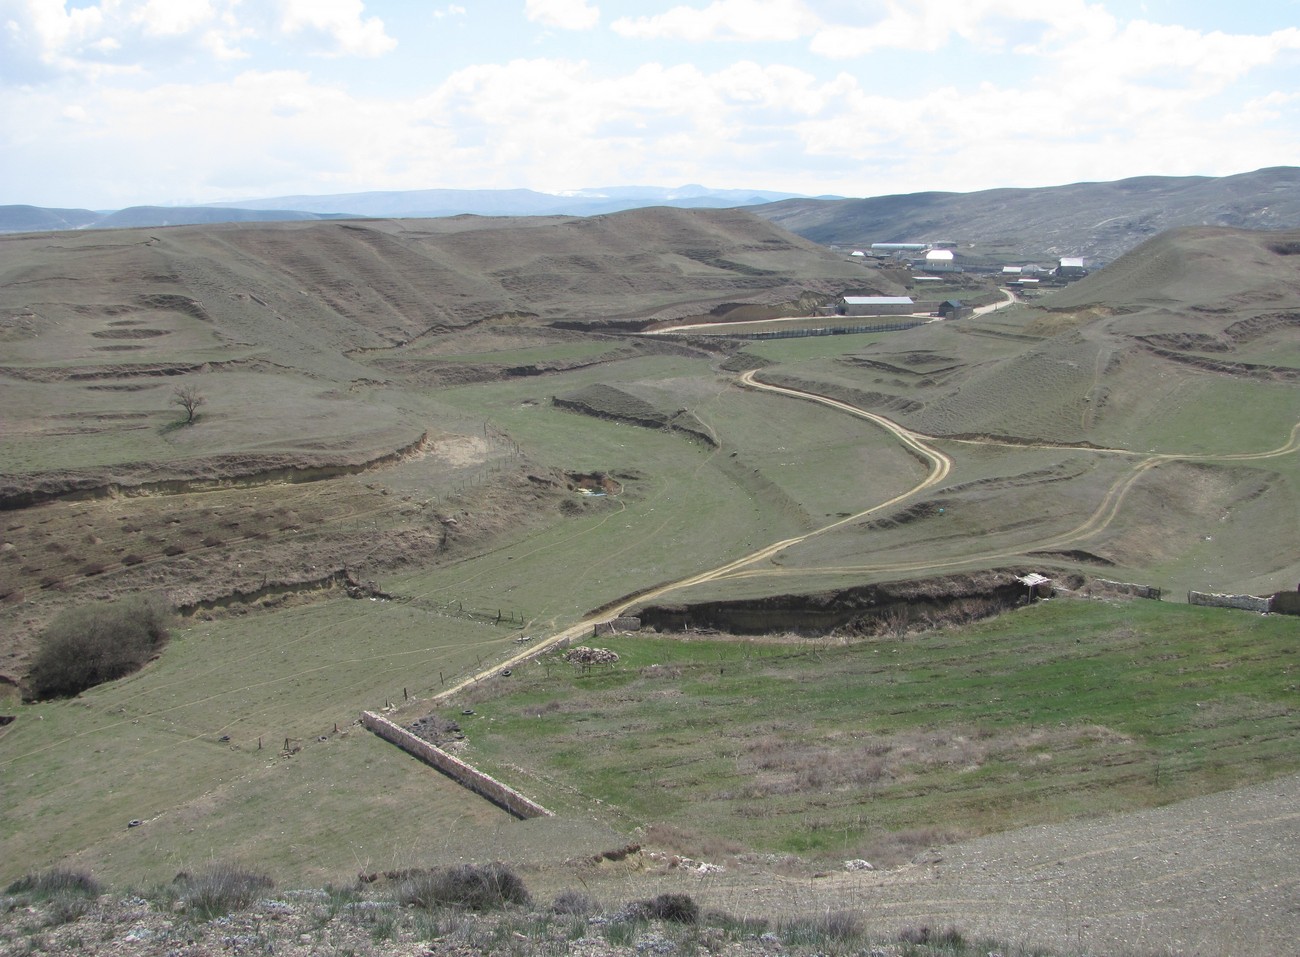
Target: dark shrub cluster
[(54, 882), (91, 644), (575, 902), (469, 886), (221, 889), (679, 908)]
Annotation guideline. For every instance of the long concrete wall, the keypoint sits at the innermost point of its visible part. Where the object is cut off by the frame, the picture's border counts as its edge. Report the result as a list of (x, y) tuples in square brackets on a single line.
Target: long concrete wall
[(471, 777)]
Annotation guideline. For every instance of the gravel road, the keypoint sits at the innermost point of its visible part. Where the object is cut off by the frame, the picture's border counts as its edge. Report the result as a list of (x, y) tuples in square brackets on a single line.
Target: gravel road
[(1218, 875)]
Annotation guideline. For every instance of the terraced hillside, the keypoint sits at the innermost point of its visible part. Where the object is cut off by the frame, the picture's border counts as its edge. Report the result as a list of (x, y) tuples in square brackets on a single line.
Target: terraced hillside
[(430, 449)]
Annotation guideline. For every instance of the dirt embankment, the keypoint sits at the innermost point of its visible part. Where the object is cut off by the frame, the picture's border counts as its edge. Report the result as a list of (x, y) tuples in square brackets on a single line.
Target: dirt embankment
[(197, 475), (607, 402), (864, 609)]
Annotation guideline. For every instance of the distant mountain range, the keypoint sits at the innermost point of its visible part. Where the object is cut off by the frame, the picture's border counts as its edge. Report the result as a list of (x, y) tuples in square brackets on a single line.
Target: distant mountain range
[(1098, 221), (401, 204)]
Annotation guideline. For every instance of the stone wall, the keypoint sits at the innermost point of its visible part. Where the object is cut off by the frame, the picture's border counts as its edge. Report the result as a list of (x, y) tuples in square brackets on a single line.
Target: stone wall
[(1242, 602), (1103, 586), (617, 626), (471, 777)]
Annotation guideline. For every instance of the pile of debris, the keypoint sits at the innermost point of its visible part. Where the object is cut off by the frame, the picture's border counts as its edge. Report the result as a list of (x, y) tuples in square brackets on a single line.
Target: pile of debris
[(436, 729), (586, 657)]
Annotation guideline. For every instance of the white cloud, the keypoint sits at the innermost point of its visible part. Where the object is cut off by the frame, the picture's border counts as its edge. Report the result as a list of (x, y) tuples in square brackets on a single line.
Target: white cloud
[(41, 40), (1079, 94), (748, 20), (173, 17), (565, 14), (341, 21)]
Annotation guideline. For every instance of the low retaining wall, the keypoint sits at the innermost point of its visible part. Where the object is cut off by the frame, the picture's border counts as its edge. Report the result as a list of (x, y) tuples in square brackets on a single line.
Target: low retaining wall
[(617, 625), (1242, 602), (471, 777), (1104, 586)]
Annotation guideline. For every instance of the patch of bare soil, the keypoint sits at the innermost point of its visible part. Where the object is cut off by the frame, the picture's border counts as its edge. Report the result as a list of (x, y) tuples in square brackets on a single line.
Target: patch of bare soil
[(241, 549)]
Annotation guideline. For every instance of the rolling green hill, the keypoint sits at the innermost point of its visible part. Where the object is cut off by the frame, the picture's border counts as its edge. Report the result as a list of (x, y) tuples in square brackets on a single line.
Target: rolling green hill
[(426, 444)]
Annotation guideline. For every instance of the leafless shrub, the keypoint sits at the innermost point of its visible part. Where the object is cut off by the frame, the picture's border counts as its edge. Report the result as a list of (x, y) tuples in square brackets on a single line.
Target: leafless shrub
[(189, 398), (221, 889), (575, 902)]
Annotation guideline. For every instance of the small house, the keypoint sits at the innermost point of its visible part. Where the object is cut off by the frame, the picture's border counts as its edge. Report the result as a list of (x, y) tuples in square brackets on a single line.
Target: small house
[(954, 309)]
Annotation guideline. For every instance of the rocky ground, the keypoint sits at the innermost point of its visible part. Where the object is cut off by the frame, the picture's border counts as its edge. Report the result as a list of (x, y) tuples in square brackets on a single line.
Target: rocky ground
[(1213, 876)]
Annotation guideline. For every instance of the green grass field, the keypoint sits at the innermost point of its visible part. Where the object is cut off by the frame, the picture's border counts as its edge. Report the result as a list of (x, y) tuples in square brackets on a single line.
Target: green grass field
[(1059, 710)]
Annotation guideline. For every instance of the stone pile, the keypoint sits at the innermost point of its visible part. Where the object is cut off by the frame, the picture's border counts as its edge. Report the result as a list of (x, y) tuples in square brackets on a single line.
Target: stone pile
[(583, 655)]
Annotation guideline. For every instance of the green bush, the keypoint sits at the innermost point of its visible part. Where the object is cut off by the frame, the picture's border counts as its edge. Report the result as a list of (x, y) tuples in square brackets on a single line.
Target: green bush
[(470, 886), (91, 644)]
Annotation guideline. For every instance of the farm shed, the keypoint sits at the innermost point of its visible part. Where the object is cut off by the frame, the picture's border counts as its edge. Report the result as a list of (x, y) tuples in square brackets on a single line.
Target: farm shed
[(954, 309), (1071, 267), (878, 306)]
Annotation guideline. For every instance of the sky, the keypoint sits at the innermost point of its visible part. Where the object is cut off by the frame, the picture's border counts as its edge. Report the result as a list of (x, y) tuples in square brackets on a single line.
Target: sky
[(112, 103)]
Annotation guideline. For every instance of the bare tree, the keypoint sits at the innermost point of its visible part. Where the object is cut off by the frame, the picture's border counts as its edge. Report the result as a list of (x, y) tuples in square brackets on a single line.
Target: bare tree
[(188, 398)]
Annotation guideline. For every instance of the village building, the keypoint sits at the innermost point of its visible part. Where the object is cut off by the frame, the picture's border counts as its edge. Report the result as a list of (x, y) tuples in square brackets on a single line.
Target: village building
[(877, 306), (954, 309), (1071, 267)]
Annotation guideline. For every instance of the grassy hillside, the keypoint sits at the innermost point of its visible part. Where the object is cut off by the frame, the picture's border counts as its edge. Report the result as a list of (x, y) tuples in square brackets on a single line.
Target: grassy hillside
[(381, 423)]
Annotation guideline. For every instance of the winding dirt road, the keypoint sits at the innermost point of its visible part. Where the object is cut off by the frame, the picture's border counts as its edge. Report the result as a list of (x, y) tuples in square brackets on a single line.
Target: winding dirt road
[(939, 464)]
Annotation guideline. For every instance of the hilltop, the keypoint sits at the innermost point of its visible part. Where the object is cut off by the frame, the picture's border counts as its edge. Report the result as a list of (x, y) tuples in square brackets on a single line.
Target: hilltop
[(1099, 221)]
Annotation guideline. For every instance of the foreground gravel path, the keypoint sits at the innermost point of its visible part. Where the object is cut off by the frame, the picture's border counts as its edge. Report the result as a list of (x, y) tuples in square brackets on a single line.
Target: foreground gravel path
[(1218, 875), (1213, 877)]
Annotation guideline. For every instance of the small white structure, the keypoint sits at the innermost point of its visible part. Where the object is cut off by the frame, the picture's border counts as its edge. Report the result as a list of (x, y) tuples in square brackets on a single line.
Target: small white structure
[(938, 260)]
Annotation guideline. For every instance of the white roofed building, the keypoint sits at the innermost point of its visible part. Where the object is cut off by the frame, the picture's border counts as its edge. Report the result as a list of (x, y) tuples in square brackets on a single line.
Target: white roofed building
[(878, 306)]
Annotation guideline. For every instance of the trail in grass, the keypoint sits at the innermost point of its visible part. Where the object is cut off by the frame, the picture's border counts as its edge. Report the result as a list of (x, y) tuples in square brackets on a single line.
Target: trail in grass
[(1098, 521), (938, 467)]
